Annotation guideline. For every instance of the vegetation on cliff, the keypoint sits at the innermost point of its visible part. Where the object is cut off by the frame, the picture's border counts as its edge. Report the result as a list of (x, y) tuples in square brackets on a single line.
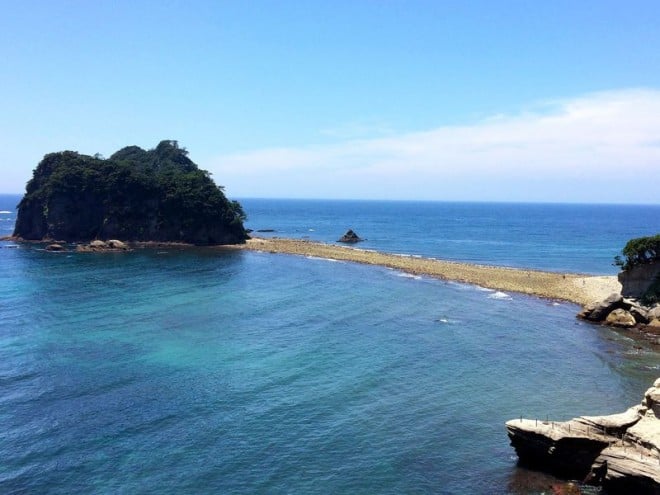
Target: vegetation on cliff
[(639, 251), (136, 195)]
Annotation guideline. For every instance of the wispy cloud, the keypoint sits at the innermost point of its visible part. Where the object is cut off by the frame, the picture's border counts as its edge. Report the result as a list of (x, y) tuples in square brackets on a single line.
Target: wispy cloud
[(598, 147)]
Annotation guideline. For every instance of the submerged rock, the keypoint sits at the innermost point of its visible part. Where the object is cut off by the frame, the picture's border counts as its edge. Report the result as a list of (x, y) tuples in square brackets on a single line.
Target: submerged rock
[(54, 247), (619, 452)]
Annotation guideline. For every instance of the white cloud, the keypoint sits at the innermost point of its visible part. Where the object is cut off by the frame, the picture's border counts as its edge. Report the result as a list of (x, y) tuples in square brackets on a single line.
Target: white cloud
[(598, 147)]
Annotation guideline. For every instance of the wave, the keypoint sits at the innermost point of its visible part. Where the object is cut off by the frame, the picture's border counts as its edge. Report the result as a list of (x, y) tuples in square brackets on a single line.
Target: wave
[(408, 275), (310, 257), (6, 212), (500, 295)]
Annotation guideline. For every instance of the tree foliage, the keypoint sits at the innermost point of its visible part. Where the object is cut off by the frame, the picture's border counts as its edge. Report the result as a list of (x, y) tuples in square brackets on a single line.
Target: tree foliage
[(135, 194), (639, 251)]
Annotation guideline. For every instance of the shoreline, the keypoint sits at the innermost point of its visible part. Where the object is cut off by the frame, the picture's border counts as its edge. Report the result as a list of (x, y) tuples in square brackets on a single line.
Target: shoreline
[(571, 287), (575, 288)]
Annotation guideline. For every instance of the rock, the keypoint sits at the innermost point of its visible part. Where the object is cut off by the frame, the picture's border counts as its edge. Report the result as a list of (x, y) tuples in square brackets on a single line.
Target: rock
[(620, 318), (598, 311), (654, 313), (654, 323), (637, 280), (619, 451), (54, 247), (98, 244), (115, 244), (640, 313), (350, 237)]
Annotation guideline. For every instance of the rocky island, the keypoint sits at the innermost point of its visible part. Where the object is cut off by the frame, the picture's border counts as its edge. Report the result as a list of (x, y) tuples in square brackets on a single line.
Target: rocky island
[(159, 195)]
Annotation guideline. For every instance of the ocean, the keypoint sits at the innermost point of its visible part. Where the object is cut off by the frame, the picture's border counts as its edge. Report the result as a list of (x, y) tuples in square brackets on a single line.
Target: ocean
[(220, 371)]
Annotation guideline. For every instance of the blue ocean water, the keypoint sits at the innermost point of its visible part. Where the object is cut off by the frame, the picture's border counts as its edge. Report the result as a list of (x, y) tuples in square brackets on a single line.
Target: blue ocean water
[(223, 371)]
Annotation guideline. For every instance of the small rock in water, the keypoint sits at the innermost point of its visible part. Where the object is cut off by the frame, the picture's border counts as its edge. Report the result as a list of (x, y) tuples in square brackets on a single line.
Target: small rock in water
[(350, 237)]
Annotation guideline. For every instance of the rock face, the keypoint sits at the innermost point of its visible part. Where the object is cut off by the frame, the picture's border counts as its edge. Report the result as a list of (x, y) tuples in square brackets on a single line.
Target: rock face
[(621, 452), (638, 279), (350, 237)]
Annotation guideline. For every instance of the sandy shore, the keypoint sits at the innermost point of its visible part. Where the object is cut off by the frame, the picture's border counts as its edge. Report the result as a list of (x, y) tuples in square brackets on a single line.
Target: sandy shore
[(579, 289)]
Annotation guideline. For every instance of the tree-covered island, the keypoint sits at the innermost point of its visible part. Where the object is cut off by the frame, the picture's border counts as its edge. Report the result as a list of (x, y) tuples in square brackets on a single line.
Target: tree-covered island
[(135, 195)]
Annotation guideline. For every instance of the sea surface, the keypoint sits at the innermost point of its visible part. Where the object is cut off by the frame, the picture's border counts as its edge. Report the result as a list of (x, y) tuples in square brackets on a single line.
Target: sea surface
[(222, 371)]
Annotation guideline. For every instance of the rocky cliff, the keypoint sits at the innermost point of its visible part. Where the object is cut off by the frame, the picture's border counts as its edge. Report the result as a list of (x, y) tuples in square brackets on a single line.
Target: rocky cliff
[(621, 452), (135, 195)]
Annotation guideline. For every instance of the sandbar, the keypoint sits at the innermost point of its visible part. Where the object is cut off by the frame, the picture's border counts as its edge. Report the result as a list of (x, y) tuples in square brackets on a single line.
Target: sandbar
[(576, 288)]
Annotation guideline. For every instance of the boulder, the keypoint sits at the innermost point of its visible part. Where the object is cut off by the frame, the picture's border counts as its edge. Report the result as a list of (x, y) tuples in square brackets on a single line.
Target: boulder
[(640, 313), (115, 244), (98, 244), (54, 247), (654, 313), (620, 318), (598, 311), (654, 323), (350, 237)]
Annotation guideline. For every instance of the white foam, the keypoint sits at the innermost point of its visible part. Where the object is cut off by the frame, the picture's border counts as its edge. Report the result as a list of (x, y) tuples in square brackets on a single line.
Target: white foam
[(6, 212), (499, 295), (408, 275), (310, 257)]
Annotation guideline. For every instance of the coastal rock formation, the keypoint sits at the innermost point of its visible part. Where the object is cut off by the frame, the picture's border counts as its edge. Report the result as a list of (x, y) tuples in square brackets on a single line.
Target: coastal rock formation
[(157, 195), (621, 452), (350, 237), (638, 279), (97, 246), (621, 318), (617, 311), (598, 311)]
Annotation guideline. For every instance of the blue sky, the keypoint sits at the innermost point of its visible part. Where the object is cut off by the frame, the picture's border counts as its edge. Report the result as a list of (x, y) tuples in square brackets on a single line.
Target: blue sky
[(481, 100)]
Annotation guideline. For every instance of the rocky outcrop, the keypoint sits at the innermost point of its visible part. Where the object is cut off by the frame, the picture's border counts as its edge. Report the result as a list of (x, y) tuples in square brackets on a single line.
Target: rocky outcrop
[(96, 246), (621, 312), (621, 452), (598, 311), (350, 237)]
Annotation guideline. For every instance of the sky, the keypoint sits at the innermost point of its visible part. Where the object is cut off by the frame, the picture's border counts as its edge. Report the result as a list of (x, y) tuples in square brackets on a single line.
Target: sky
[(417, 100)]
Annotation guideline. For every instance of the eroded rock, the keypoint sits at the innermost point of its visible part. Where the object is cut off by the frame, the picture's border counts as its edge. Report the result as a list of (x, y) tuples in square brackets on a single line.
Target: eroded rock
[(619, 451)]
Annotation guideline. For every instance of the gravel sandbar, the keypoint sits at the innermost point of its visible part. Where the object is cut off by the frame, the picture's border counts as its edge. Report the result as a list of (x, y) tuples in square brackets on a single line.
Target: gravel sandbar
[(580, 289)]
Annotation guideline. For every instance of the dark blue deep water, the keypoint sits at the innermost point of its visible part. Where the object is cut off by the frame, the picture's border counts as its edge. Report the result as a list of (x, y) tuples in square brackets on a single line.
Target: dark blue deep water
[(214, 371)]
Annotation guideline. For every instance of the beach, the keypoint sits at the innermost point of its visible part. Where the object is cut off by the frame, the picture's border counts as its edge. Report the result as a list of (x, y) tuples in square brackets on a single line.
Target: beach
[(576, 288)]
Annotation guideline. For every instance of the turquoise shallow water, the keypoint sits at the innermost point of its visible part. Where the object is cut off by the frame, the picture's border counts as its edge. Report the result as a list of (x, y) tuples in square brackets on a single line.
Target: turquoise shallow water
[(207, 371)]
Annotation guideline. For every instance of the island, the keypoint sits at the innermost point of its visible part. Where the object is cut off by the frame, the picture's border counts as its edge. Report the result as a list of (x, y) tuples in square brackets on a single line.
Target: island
[(159, 195)]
